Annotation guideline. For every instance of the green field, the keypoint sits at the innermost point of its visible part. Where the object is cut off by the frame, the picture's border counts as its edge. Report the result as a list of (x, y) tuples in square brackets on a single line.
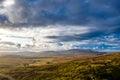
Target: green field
[(104, 67)]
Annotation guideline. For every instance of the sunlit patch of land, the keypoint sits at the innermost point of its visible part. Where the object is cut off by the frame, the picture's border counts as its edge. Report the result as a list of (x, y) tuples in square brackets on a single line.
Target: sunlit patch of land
[(73, 67), (11, 61)]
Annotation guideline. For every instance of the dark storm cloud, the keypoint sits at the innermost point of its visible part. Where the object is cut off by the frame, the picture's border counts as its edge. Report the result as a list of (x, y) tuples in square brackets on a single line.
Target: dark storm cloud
[(68, 12), (3, 19), (104, 15), (78, 37)]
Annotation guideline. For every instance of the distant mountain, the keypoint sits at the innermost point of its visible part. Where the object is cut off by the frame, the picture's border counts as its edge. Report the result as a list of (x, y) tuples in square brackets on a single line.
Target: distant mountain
[(69, 52), (56, 53)]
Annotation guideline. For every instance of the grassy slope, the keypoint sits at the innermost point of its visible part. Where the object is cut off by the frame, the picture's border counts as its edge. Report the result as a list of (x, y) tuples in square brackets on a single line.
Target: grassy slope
[(106, 67)]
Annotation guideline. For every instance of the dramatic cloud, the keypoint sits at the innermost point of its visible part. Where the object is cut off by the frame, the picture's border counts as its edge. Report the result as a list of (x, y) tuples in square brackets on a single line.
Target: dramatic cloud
[(69, 12), (62, 22), (37, 37)]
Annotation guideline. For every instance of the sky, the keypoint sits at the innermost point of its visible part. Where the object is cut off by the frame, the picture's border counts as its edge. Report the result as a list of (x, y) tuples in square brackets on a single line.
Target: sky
[(43, 25)]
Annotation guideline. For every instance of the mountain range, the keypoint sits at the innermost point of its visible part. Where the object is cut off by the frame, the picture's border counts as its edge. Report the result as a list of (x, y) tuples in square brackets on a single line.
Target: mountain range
[(53, 53)]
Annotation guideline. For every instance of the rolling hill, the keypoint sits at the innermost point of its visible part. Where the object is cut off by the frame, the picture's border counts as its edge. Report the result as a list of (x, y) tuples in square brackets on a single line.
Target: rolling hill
[(103, 67), (51, 53)]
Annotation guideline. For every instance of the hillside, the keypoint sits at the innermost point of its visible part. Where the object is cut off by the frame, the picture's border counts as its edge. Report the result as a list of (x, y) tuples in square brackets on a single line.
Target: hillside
[(19, 59), (105, 67), (50, 53)]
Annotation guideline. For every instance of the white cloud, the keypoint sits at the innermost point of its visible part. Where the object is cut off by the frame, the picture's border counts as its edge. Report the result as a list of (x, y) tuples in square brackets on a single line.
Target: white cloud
[(26, 36), (8, 3)]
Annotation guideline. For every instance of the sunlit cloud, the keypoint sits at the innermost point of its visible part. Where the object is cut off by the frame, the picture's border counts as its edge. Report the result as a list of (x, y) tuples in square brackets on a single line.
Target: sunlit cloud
[(37, 37), (8, 3), (60, 24)]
